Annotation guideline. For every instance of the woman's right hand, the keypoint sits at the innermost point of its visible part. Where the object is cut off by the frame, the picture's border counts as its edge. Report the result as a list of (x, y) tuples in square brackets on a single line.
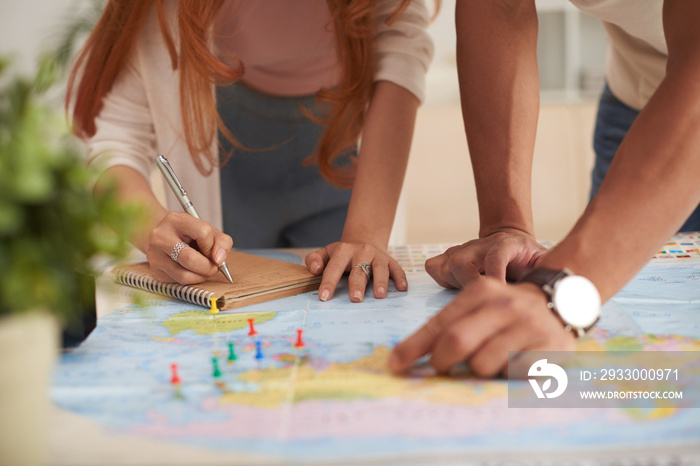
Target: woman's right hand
[(206, 249)]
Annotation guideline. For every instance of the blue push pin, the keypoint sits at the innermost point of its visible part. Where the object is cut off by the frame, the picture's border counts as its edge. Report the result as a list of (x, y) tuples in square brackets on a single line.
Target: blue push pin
[(258, 350)]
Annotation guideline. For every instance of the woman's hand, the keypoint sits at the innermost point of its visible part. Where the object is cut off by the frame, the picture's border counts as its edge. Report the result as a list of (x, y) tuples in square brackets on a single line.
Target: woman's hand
[(381, 165), (505, 253), (485, 321), (340, 257), (206, 249)]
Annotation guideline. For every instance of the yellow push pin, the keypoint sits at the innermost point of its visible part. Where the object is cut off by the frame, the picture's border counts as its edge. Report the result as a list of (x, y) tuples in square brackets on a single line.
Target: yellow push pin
[(214, 308)]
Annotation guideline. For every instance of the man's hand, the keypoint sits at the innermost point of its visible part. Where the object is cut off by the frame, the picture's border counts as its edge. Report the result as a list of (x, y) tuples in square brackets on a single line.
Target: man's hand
[(485, 321), (506, 253)]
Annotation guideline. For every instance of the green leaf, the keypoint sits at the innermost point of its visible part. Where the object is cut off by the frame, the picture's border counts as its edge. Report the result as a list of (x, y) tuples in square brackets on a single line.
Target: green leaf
[(51, 224), (11, 219)]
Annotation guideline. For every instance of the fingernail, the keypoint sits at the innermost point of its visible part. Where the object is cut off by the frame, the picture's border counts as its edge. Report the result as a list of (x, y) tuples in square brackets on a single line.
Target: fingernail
[(404, 285), (381, 291), (316, 267), (325, 294), (219, 256), (357, 295)]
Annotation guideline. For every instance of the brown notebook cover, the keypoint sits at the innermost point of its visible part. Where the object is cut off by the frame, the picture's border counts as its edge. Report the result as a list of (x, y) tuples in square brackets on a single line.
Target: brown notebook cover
[(255, 280)]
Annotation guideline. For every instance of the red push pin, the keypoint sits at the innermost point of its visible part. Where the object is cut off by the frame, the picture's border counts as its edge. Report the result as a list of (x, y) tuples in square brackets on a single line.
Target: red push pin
[(300, 341), (175, 379), (252, 332)]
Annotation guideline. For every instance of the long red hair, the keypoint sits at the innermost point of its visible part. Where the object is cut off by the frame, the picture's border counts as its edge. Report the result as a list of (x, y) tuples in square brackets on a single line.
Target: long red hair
[(109, 44)]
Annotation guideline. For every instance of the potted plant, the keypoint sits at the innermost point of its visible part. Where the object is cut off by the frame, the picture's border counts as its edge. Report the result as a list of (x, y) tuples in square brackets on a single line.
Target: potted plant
[(52, 227)]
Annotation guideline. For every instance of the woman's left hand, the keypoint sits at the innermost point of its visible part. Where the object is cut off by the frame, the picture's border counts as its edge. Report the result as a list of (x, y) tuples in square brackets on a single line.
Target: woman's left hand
[(340, 257)]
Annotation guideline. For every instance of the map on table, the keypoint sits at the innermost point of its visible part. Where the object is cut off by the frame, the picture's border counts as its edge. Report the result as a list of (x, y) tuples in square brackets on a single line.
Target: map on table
[(333, 399)]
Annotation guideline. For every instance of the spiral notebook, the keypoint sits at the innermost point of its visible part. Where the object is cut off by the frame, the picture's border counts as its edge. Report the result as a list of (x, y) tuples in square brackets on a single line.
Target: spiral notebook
[(255, 280)]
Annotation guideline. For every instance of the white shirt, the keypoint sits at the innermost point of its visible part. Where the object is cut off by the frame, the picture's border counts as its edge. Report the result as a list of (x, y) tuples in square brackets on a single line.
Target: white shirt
[(637, 56)]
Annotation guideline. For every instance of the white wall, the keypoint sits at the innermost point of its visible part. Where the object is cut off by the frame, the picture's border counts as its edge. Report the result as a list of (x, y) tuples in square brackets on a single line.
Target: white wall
[(439, 193), (28, 26)]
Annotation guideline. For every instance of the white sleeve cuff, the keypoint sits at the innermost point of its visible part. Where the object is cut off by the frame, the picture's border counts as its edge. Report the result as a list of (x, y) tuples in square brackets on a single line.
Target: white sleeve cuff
[(404, 47)]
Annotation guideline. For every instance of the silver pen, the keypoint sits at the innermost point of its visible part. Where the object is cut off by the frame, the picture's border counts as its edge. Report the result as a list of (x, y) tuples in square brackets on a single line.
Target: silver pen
[(181, 196)]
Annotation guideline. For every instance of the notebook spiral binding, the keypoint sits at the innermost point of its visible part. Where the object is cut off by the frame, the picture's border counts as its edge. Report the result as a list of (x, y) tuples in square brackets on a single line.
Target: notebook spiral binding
[(145, 282)]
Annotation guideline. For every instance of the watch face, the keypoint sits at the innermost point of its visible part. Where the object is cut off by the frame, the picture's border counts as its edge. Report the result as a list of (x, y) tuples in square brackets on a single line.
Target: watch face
[(577, 301)]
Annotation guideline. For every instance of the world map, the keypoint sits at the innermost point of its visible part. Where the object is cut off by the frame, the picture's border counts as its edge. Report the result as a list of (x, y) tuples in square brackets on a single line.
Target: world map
[(333, 398)]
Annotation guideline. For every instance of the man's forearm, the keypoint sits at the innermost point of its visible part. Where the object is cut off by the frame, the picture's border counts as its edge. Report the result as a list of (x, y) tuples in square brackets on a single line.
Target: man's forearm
[(497, 63), (652, 185)]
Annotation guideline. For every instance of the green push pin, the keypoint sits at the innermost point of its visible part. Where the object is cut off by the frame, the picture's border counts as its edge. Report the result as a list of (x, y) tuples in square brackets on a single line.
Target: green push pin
[(217, 372), (231, 354)]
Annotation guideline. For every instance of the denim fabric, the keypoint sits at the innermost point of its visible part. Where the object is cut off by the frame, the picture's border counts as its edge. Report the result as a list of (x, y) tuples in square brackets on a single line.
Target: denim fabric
[(613, 121), (269, 198)]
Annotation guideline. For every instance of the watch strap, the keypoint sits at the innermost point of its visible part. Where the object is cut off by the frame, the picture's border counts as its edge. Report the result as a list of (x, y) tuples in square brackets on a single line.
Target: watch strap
[(546, 279)]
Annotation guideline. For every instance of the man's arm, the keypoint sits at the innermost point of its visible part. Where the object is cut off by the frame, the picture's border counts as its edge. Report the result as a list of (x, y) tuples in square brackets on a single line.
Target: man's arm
[(653, 183), (651, 188), (499, 87)]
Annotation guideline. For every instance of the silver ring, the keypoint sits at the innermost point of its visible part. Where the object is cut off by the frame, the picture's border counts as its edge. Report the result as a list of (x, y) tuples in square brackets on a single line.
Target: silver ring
[(176, 250), (366, 268)]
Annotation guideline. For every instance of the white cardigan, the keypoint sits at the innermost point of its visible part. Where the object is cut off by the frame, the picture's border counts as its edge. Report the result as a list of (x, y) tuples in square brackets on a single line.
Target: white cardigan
[(140, 117)]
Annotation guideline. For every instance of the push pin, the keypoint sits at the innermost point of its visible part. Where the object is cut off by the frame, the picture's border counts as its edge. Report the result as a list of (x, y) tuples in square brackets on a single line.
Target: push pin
[(231, 354), (175, 379), (252, 332), (300, 342), (217, 372), (214, 308)]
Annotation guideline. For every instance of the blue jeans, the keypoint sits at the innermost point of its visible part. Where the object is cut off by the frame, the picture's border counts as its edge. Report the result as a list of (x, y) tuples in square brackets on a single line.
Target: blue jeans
[(613, 121), (269, 198)]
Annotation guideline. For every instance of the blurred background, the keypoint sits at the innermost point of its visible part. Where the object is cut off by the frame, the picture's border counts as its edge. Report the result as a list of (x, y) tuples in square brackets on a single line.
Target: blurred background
[(439, 201)]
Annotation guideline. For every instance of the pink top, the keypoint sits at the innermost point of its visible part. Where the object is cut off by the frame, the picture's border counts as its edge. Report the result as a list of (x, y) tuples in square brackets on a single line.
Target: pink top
[(140, 115), (287, 47)]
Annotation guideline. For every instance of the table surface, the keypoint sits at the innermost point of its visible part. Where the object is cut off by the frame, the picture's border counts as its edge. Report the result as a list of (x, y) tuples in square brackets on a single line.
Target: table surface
[(334, 401)]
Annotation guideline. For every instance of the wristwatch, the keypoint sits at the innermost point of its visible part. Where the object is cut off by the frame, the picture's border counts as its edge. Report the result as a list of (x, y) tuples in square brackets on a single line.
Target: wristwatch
[(573, 299)]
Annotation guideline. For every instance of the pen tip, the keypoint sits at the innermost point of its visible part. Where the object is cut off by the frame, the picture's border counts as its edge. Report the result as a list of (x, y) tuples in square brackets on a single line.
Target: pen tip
[(224, 269)]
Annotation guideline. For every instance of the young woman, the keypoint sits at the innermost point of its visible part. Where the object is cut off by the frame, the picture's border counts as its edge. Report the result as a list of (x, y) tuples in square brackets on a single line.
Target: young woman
[(258, 106)]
